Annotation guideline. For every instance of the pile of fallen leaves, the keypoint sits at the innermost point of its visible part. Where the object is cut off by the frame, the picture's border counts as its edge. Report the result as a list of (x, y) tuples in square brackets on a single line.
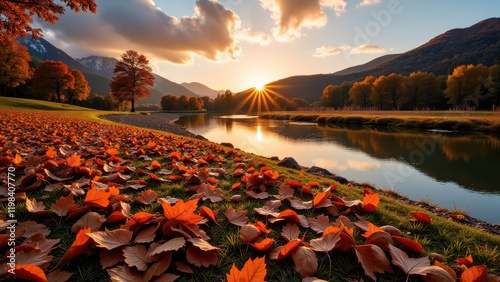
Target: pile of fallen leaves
[(104, 181)]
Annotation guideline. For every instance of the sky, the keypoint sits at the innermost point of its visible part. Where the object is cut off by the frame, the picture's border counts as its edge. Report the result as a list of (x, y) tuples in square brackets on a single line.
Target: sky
[(239, 44)]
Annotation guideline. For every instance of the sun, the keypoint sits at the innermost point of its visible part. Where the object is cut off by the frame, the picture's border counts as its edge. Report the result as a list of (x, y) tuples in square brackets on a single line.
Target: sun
[(259, 87)]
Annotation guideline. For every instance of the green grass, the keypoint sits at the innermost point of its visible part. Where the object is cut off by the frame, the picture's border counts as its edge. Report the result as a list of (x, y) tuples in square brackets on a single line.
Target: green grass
[(442, 236)]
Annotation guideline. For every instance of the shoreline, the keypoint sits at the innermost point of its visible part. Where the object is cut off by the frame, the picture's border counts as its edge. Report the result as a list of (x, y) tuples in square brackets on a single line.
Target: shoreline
[(460, 121), (165, 122)]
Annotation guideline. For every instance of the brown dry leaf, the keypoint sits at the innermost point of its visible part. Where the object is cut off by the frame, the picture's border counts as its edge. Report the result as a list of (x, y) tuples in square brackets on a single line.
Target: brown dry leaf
[(305, 261), (260, 195), (314, 279), (30, 228), (171, 245), (290, 232), (435, 274), (446, 268), (381, 239), (237, 218), (147, 235), (147, 197), (325, 243), (407, 264), (249, 233), (136, 256), (200, 258), (123, 273), (183, 267), (159, 267), (110, 257), (372, 259), (210, 192), (202, 244), (34, 257), (91, 220), (61, 206), (319, 224), (167, 277), (111, 239), (299, 204), (35, 207), (59, 276)]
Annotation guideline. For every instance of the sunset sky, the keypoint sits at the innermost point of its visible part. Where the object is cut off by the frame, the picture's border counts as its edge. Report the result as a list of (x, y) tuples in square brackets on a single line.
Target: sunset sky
[(238, 44)]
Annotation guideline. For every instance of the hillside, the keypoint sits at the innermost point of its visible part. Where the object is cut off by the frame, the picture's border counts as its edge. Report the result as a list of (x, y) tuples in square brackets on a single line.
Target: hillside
[(201, 89), (366, 66), (473, 45)]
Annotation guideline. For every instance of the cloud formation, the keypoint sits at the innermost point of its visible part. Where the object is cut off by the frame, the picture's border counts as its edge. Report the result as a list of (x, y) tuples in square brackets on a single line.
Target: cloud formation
[(324, 50), (367, 49), (328, 50), (291, 16), (213, 32), (368, 3)]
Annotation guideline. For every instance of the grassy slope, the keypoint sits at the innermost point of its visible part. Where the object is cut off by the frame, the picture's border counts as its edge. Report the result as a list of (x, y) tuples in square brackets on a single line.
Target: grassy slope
[(442, 236), (445, 120)]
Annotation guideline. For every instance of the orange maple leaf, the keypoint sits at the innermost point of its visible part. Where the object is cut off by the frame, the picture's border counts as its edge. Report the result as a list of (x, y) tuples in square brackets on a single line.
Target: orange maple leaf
[(74, 160), (97, 198), (79, 245), (370, 202), (51, 153), (182, 211), (252, 271)]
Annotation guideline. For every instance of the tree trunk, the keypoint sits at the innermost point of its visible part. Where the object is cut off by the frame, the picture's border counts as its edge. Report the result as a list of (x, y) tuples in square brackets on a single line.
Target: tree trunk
[(132, 110)]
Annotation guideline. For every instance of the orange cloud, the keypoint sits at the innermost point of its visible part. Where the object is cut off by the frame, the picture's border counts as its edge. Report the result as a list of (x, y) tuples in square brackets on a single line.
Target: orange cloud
[(324, 51), (368, 3), (291, 16), (367, 49)]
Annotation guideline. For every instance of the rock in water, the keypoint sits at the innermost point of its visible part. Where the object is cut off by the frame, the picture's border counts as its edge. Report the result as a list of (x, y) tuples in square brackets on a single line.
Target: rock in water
[(290, 163)]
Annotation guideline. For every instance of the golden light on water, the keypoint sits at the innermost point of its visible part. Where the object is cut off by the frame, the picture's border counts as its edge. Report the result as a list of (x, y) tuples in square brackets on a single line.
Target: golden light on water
[(258, 136)]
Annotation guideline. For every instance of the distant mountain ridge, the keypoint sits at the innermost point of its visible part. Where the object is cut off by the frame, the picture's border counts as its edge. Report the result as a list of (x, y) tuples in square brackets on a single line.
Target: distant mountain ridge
[(98, 70), (477, 44), (202, 89)]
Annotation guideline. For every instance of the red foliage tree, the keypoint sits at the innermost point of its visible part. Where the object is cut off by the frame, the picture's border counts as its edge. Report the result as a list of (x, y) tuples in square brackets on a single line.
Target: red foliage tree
[(51, 79), (17, 15), (80, 90), (14, 64), (132, 75)]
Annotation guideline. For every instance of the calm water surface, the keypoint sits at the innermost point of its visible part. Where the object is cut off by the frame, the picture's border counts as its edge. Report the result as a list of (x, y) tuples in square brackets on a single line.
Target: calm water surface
[(449, 168)]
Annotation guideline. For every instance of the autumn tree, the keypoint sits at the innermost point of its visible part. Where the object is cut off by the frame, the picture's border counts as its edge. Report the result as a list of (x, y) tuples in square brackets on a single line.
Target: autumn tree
[(80, 90), (494, 84), (420, 89), (51, 79), (360, 92), (14, 64), (131, 77), (327, 96), (195, 103), (17, 16), (463, 84), (168, 102)]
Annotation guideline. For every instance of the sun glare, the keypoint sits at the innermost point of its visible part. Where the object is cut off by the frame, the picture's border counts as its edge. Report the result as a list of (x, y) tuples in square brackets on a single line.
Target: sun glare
[(259, 87)]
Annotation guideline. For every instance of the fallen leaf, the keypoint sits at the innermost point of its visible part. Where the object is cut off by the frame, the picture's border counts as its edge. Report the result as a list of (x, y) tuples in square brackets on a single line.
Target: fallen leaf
[(91, 220), (372, 259), (326, 243), (305, 261), (409, 244), (74, 160), (111, 239), (421, 216), (236, 218), (182, 211), (249, 233), (253, 271), (319, 224), (136, 256), (289, 248), (208, 213), (200, 258), (290, 232), (408, 265), (147, 197), (35, 207), (97, 198), (28, 272), (263, 245), (62, 205), (467, 261), (202, 244), (370, 202), (475, 273), (79, 245)]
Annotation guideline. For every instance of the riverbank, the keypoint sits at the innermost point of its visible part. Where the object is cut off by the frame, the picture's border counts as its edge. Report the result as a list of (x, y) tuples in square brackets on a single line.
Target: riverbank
[(437, 120), (157, 121)]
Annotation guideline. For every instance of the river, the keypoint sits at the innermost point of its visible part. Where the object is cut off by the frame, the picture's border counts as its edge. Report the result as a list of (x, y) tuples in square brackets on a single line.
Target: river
[(449, 169)]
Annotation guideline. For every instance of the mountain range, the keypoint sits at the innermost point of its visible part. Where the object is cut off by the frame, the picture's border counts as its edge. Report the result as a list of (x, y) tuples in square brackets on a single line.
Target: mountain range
[(477, 44)]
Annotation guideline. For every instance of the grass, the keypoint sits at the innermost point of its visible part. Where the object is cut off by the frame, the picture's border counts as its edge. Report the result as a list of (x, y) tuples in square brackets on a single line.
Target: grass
[(443, 236), (443, 120)]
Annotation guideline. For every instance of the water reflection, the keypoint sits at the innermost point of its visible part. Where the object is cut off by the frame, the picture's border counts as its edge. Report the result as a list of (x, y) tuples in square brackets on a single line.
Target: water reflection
[(450, 168)]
